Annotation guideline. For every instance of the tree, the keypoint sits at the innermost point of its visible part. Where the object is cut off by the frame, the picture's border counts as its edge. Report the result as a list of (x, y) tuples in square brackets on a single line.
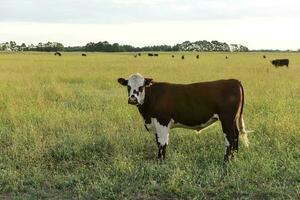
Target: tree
[(243, 48), (12, 44), (234, 47), (50, 46)]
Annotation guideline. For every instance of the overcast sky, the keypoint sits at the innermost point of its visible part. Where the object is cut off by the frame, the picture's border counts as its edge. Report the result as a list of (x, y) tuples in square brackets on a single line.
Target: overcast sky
[(254, 23)]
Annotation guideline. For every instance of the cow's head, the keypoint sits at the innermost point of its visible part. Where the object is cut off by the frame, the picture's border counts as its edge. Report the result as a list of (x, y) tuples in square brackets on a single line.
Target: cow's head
[(136, 88)]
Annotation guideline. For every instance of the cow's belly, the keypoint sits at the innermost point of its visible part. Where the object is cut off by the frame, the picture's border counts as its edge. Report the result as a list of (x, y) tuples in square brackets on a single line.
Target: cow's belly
[(151, 127), (197, 127)]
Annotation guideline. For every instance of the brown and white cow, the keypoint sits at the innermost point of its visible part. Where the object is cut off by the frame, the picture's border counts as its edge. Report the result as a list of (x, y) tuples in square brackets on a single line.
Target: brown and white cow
[(195, 106)]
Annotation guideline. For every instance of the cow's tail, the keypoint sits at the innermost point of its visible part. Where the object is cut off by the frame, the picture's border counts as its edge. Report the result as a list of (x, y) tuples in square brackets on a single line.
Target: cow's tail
[(240, 121)]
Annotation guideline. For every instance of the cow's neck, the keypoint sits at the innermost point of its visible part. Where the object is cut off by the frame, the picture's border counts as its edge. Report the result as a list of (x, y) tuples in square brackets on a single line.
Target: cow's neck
[(143, 107)]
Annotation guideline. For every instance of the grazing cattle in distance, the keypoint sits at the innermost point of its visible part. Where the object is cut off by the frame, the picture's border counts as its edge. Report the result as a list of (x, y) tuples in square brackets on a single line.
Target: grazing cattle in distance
[(164, 106), (264, 56), (280, 62), (57, 53), (182, 57), (226, 57), (139, 54), (155, 54), (135, 55), (173, 56), (197, 56), (150, 54), (83, 54)]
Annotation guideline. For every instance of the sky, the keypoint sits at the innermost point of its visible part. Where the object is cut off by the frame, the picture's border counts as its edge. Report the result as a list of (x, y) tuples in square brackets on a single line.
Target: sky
[(258, 24)]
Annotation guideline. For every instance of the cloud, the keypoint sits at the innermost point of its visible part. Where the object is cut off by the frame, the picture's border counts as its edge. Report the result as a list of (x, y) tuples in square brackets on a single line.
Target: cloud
[(256, 23), (128, 11), (255, 33)]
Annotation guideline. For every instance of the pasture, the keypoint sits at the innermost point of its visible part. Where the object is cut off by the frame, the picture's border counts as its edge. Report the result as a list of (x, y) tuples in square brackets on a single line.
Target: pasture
[(66, 130)]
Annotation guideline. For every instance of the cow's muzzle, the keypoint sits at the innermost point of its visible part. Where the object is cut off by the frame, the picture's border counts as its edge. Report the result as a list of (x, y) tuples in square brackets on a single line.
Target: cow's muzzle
[(133, 101)]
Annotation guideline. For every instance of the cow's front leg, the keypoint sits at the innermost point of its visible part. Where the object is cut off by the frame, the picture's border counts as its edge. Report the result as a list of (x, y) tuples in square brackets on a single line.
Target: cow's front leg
[(161, 155), (162, 139)]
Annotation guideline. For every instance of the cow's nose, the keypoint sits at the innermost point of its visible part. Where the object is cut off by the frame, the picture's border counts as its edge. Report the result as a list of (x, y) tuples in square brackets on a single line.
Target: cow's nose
[(132, 100)]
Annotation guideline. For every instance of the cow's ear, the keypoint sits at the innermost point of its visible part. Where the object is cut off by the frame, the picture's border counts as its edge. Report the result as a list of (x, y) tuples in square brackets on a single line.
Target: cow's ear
[(148, 81), (123, 81)]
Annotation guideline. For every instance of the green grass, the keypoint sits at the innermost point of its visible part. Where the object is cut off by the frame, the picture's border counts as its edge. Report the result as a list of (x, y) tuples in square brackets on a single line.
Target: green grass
[(66, 130)]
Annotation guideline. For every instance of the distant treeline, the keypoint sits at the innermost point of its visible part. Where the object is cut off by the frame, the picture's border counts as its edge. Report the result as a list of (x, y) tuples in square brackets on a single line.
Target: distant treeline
[(185, 46), (115, 47), (199, 46)]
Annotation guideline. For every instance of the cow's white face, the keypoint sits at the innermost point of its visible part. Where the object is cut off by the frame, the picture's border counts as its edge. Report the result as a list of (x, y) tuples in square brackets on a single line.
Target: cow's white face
[(136, 88)]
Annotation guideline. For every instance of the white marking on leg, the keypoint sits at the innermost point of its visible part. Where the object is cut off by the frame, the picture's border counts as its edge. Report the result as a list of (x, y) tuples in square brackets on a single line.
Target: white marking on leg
[(150, 127), (161, 131)]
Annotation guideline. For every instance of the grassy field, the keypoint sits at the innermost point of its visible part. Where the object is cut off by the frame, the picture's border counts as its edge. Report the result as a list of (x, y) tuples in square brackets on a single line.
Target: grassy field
[(66, 130)]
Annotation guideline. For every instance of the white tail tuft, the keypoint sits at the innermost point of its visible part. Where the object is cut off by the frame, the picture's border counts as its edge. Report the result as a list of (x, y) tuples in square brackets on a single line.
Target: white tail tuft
[(244, 138), (243, 133)]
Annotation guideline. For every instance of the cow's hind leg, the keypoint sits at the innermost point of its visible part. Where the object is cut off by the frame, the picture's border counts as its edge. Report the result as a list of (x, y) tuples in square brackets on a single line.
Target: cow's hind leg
[(231, 135)]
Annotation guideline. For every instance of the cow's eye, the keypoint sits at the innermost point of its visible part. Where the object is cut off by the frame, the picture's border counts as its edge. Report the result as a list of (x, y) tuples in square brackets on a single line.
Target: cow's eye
[(141, 89), (128, 88)]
